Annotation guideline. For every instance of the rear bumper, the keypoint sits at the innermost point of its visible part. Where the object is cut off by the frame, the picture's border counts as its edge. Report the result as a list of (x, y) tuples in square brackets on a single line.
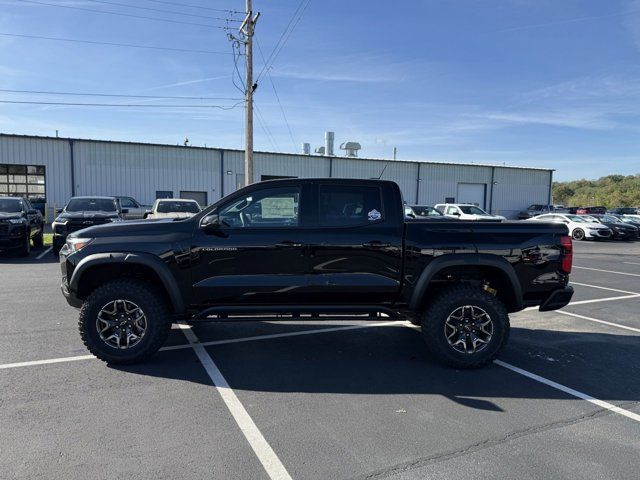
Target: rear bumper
[(558, 299)]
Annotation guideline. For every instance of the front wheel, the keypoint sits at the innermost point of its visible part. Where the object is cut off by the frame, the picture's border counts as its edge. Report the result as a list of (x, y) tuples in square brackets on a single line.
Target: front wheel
[(124, 321), (38, 240), (465, 327), (578, 234), (25, 248)]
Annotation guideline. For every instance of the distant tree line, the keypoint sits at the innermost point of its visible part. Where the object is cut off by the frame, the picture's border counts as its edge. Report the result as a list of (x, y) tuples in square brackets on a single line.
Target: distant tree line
[(610, 191)]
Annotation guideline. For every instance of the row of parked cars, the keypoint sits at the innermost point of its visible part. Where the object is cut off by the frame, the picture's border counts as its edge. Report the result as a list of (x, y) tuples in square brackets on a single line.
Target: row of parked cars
[(21, 225), (583, 222)]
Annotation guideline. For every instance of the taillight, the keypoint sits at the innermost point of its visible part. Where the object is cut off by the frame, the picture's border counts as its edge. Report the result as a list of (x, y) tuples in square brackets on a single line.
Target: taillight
[(567, 253)]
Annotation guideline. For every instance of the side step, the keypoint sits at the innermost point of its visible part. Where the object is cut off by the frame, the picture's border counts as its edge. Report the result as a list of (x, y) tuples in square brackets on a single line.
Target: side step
[(234, 313)]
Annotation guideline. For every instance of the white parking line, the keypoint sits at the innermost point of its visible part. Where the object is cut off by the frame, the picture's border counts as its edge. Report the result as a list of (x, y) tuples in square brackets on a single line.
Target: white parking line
[(570, 391), (43, 253), (270, 461), (210, 343), (591, 319), (598, 300), (608, 271), (604, 288), (631, 263)]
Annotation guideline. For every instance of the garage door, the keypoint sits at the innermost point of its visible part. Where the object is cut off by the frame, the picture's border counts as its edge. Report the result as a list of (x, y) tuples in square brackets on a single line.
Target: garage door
[(200, 197), (472, 193)]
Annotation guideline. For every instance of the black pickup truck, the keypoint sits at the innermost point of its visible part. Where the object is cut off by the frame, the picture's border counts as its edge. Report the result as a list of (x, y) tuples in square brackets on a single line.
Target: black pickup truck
[(305, 247)]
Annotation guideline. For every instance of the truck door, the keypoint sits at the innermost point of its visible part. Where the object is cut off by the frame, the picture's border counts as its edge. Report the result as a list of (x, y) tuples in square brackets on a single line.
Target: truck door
[(256, 254), (356, 251)]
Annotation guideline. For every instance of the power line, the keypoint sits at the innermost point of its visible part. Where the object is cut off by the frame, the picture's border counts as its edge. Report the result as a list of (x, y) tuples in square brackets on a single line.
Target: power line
[(295, 19), (112, 44), (82, 94), (122, 14), (221, 107), (273, 85), (194, 6), (161, 10), (266, 130)]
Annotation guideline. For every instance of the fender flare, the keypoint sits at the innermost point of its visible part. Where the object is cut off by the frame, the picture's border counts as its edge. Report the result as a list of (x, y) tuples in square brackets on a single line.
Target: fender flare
[(456, 260), (146, 259)]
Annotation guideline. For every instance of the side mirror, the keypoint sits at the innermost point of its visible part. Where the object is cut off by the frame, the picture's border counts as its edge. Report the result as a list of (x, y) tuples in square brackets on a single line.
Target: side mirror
[(124, 211), (33, 211), (146, 214), (210, 223), (457, 214), (59, 211)]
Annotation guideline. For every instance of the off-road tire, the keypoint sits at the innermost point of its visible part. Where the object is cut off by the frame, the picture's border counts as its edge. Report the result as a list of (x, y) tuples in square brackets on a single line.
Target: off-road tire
[(38, 240), (439, 309), (148, 299)]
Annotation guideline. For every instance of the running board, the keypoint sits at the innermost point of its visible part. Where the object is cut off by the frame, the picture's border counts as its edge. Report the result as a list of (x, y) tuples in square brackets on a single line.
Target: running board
[(234, 313)]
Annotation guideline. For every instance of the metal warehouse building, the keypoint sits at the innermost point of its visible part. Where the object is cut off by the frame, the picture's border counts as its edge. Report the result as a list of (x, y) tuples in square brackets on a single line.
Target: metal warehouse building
[(54, 169)]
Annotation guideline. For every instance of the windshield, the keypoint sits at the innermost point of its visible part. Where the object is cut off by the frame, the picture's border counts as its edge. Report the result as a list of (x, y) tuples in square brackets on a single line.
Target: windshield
[(180, 207), (10, 205), (535, 207), (611, 219), (425, 211), (472, 210), (577, 219), (92, 205)]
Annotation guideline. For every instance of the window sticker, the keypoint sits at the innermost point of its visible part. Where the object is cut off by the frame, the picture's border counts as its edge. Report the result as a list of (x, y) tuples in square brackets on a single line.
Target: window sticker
[(278, 207), (374, 215)]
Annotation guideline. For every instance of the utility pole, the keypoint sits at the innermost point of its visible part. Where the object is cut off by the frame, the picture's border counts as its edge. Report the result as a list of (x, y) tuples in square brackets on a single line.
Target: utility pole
[(247, 29)]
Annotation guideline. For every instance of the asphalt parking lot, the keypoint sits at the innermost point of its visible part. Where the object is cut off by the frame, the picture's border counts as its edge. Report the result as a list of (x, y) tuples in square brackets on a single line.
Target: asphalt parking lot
[(325, 400)]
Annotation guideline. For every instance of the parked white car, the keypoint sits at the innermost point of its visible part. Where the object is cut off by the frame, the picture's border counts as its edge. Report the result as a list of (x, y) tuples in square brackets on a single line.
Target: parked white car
[(579, 227), (173, 208), (467, 212)]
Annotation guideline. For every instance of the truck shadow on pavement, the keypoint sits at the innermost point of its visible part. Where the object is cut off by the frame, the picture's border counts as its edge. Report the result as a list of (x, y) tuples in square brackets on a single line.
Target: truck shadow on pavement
[(394, 361)]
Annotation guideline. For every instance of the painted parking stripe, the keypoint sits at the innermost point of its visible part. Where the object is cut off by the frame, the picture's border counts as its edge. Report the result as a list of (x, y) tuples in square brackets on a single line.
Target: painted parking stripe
[(575, 393), (605, 288), (591, 319), (210, 343), (631, 263), (598, 300), (608, 271), (39, 257), (270, 461)]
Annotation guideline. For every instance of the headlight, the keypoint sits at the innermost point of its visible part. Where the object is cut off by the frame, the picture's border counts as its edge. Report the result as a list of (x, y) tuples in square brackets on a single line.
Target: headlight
[(75, 244), (116, 219), (18, 221)]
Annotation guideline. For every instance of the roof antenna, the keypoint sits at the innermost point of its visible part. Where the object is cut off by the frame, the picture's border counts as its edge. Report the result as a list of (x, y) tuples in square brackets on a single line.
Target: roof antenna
[(385, 167)]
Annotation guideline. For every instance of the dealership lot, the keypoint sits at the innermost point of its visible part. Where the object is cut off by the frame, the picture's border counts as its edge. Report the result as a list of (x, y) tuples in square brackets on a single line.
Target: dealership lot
[(326, 400)]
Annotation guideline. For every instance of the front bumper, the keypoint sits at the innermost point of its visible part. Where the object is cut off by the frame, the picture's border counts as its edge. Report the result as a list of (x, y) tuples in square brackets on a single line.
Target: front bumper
[(604, 234), (558, 299), (13, 238)]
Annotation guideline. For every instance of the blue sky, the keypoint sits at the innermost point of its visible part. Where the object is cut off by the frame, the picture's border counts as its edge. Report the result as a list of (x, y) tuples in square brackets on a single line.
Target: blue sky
[(542, 83)]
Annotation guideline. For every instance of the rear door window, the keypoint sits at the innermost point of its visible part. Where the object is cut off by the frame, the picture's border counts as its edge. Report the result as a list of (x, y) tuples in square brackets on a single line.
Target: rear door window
[(349, 205)]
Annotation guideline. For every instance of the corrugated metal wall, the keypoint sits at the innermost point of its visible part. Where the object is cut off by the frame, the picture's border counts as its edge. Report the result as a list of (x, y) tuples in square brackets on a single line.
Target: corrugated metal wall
[(140, 170), (515, 189)]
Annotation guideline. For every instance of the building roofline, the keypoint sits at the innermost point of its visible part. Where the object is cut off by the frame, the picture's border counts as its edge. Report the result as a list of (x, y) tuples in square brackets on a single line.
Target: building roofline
[(430, 162)]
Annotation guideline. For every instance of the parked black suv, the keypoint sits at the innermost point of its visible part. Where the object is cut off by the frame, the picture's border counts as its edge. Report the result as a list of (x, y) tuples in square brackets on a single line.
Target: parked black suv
[(312, 246), (83, 212), (20, 224)]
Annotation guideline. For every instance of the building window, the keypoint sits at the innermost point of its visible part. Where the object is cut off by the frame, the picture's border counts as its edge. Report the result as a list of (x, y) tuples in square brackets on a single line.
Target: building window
[(23, 181)]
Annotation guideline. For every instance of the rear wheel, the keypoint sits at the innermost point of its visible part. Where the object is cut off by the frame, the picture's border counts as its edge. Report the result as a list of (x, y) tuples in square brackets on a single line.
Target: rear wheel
[(578, 234), (124, 321), (465, 327)]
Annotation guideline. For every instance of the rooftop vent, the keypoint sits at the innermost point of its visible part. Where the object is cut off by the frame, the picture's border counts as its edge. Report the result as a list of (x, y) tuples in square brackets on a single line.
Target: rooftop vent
[(350, 148)]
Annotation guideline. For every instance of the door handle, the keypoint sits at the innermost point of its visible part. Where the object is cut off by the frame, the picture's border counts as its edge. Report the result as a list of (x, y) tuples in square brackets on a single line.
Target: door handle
[(288, 244), (376, 244)]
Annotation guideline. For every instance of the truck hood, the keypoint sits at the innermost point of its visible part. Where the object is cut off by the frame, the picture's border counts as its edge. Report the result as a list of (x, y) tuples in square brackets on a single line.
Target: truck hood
[(134, 228), (9, 215), (64, 216)]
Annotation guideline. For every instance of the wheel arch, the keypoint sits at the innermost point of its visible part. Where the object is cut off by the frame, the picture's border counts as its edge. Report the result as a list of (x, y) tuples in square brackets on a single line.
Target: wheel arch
[(101, 267), (486, 265)]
